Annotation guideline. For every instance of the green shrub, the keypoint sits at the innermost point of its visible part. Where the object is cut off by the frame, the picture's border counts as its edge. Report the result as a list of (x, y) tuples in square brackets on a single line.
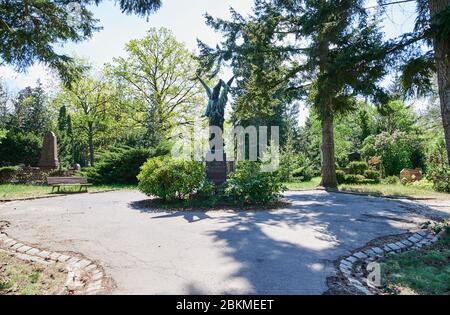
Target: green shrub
[(423, 184), (440, 176), (120, 165), (358, 167), (20, 148), (3, 134), (365, 181), (171, 179), (350, 179), (340, 175), (398, 150), (8, 174), (305, 173), (290, 165), (391, 180), (360, 178), (248, 185), (370, 174)]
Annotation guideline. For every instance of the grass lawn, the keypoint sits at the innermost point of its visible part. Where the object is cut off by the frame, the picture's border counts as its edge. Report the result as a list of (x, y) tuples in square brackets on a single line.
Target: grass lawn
[(304, 185), (376, 189), (424, 272), (395, 190), (16, 191), (18, 277)]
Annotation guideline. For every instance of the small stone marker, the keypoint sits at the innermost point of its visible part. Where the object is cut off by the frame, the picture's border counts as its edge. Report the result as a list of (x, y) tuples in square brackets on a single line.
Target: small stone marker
[(49, 154), (410, 175)]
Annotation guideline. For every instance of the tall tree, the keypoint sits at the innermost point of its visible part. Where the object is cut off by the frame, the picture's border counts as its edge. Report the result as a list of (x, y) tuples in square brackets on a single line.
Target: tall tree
[(31, 112), (91, 100), (31, 29), (64, 140), (440, 16), (157, 78), (4, 107), (331, 51), (428, 52)]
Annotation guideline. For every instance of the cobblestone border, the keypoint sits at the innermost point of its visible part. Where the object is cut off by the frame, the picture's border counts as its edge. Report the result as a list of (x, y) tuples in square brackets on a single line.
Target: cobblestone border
[(347, 265), (83, 276)]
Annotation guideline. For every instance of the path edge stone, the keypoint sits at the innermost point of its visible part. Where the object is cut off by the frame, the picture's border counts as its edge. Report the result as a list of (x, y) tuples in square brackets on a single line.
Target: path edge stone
[(78, 269)]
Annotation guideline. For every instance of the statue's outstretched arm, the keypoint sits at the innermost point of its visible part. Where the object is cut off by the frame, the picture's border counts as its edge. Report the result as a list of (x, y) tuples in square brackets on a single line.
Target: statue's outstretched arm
[(225, 91), (230, 82), (208, 90)]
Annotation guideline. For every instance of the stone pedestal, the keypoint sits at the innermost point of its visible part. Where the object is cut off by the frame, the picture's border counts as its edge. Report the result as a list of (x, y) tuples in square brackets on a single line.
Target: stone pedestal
[(216, 171), (49, 154)]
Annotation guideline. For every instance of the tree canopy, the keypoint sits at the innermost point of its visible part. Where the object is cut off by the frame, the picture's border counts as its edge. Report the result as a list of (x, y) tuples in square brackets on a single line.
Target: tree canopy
[(30, 29)]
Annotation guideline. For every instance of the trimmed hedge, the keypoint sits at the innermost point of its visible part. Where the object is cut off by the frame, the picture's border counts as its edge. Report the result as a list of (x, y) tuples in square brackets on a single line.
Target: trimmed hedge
[(358, 167), (121, 165)]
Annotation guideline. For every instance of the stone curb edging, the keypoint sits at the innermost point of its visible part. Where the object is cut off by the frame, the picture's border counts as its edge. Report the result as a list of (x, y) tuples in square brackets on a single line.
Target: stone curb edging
[(83, 276), (58, 195), (347, 265)]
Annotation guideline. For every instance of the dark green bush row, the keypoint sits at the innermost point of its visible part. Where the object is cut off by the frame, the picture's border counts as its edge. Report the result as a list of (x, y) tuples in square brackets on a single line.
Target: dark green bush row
[(121, 165), (304, 174), (369, 177), (20, 148), (358, 167)]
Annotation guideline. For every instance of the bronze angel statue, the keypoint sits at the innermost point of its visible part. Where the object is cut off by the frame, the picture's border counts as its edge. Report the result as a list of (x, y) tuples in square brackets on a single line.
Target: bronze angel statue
[(217, 100)]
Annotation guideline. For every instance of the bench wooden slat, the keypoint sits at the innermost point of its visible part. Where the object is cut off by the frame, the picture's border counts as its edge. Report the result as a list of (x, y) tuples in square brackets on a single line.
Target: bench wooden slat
[(66, 180), (69, 185)]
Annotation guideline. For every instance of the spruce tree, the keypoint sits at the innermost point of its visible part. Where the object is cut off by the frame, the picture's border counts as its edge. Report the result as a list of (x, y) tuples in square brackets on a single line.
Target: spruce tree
[(324, 52)]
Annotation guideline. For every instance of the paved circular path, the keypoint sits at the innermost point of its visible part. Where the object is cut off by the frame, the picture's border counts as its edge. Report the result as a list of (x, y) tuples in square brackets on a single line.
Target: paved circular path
[(286, 251)]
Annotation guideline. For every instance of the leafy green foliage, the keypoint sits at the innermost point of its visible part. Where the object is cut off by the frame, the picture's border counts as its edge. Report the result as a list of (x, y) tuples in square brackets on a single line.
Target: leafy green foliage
[(295, 166), (30, 30), (369, 177), (370, 174), (171, 179), (351, 179), (248, 185), (398, 150), (340, 175), (65, 138), (30, 112), (438, 169), (392, 180), (2, 134), (304, 173), (358, 167), (157, 85), (121, 165), (440, 175), (417, 75), (283, 42), (20, 148)]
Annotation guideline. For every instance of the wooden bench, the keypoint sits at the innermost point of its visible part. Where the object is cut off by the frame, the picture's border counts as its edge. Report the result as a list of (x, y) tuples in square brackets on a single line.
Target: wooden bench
[(58, 182)]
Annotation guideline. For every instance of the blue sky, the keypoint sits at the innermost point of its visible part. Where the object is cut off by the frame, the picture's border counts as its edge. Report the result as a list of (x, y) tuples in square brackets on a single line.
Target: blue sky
[(183, 17)]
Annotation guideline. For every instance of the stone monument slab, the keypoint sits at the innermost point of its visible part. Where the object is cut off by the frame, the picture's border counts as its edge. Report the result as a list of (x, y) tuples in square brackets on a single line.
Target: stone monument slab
[(49, 154)]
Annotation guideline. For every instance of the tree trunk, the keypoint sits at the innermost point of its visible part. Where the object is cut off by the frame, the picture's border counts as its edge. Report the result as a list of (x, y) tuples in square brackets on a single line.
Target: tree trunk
[(442, 56), (328, 162), (91, 144)]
